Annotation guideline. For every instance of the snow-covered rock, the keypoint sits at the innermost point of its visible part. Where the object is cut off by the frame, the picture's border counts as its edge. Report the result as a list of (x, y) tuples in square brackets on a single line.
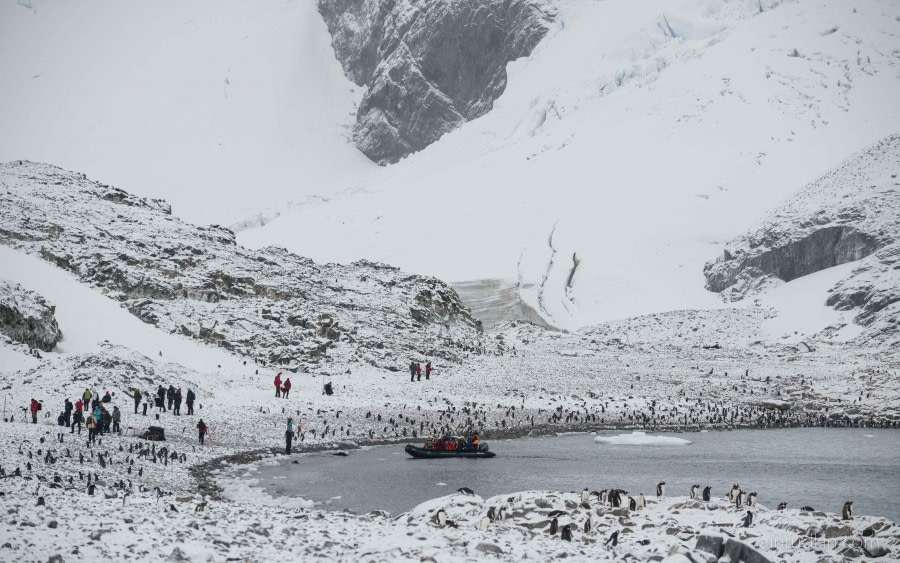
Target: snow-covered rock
[(272, 305), (26, 317), (428, 66)]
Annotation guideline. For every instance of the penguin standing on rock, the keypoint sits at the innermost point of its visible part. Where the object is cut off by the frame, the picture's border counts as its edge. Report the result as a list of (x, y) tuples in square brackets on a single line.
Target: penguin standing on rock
[(465, 491), (661, 489), (566, 533), (695, 490), (782, 505), (847, 512), (739, 499), (554, 526), (748, 519), (485, 522), (632, 504), (588, 525), (707, 493), (735, 491), (501, 514), (440, 518), (641, 501), (585, 497), (751, 499), (492, 514)]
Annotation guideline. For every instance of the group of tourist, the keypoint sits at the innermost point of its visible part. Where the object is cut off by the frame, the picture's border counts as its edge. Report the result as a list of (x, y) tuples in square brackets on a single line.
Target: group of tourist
[(99, 419), (415, 371), (468, 443), (164, 400), (282, 389)]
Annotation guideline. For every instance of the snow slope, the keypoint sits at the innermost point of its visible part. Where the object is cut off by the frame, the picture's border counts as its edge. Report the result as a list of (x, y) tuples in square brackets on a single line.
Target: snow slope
[(215, 107), (633, 142)]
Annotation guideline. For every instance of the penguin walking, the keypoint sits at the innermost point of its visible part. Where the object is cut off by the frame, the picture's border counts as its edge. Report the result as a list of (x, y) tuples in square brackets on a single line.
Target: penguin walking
[(661, 489), (748, 519), (695, 490), (707, 493), (847, 512), (614, 538), (751, 499)]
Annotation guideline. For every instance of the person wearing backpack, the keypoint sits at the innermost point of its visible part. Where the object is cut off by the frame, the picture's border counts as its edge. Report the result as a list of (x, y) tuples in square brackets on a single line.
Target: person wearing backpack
[(91, 425), (35, 407), (201, 427), (191, 397), (77, 418)]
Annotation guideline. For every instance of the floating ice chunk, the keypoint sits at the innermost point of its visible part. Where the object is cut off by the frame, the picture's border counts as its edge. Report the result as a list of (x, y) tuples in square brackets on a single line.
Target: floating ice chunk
[(641, 439)]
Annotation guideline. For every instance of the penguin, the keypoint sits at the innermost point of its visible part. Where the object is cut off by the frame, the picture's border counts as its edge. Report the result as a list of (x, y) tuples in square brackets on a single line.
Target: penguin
[(492, 514), (554, 526), (735, 490), (695, 490), (585, 497), (465, 491), (604, 496), (555, 513), (632, 504), (641, 501), (90, 490), (739, 499), (501, 515), (440, 518), (751, 499), (40, 501), (707, 493), (172, 508), (614, 538), (847, 511), (485, 522), (660, 489), (782, 505), (126, 499), (807, 509), (566, 533), (748, 519), (588, 525)]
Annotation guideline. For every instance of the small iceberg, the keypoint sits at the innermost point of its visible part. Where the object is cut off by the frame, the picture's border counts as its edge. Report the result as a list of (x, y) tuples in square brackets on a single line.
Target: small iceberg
[(641, 439)]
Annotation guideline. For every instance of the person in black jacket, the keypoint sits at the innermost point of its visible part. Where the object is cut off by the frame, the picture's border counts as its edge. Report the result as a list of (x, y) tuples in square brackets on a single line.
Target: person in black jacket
[(137, 399), (60, 426), (177, 410), (68, 412), (161, 397), (170, 396), (77, 418), (191, 397)]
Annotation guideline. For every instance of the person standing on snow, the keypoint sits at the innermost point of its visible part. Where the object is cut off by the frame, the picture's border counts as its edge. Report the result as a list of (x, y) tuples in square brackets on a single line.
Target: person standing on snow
[(116, 419), (34, 408), (137, 399), (412, 371), (201, 428), (161, 397), (286, 388), (428, 370), (67, 411), (91, 425), (191, 396), (77, 418), (418, 371), (86, 398), (278, 385), (60, 426), (177, 410), (289, 435), (170, 395)]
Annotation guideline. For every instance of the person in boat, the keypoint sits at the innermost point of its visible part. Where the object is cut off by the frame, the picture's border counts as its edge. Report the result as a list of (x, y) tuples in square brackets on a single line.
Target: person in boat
[(429, 443), (475, 441)]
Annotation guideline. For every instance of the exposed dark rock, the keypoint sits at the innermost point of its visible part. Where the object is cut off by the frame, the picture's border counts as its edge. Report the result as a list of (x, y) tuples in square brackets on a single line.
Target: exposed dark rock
[(26, 317), (429, 66)]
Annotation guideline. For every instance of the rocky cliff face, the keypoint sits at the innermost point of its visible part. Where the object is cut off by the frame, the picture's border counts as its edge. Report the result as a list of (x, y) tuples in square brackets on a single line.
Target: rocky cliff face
[(27, 318), (274, 306), (428, 65), (850, 214)]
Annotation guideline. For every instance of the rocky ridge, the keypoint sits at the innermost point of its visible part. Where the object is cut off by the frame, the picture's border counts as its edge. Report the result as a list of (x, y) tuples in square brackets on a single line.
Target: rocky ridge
[(430, 66), (850, 214), (271, 305), (26, 317)]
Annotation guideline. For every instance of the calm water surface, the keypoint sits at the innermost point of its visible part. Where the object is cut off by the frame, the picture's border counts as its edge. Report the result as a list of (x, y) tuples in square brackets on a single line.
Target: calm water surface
[(817, 467)]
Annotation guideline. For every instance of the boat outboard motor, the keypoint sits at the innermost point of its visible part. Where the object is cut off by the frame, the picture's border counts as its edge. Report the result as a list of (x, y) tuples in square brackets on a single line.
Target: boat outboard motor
[(482, 447)]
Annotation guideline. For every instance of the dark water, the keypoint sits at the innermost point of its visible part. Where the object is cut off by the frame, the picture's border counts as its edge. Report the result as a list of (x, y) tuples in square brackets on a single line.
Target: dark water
[(817, 467)]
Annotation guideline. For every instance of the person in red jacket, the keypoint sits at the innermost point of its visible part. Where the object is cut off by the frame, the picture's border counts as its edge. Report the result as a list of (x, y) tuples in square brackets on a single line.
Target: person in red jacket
[(34, 408), (428, 370), (278, 385), (286, 388)]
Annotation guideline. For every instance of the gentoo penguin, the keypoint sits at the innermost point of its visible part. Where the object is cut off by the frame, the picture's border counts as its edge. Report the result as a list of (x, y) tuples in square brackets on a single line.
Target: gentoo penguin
[(782, 505), (632, 504), (641, 501), (172, 508), (807, 509), (40, 501), (739, 499), (614, 538), (604, 496), (748, 519), (501, 515), (707, 493), (485, 522), (751, 499), (735, 490), (566, 533), (585, 497), (440, 518), (695, 490), (492, 514), (90, 489), (465, 491), (661, 489), (847, 512), (554, 526), (588, 525)]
